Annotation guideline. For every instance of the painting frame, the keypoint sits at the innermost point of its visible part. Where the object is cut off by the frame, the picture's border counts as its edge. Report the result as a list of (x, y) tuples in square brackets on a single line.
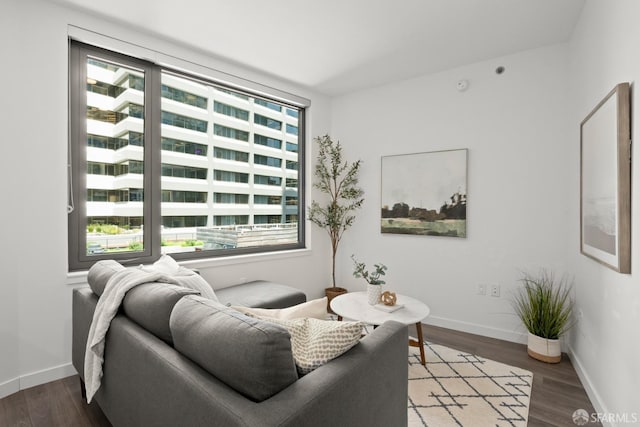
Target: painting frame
[(425, 193), (605, 181)]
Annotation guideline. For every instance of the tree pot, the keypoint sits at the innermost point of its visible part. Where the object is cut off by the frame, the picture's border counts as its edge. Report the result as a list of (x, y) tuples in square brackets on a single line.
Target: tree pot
[(331, 293), (544, 349)]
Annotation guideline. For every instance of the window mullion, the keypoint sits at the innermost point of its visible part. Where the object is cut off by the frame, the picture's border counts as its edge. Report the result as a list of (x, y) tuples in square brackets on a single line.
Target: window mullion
[(77, 135), (153, 160)]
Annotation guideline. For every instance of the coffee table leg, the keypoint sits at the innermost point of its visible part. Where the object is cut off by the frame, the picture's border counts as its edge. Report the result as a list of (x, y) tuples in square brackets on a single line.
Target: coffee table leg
[(419, 343)]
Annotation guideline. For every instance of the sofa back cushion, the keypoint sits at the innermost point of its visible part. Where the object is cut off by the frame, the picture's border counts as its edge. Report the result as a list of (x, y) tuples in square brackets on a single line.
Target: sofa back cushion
[(249, 355), (150, 306), (100, 273)]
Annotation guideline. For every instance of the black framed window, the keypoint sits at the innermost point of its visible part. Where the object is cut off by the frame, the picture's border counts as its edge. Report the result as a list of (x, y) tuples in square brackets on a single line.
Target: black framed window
[(184, 97), (271, 105), (231, 111), (259, 159), (227, 154), (229, 198), (291, 129), (229, 132), (267, 141), (178, 146), (261, 199), (143, 139), (267, 121), (267, 180), (229, 176)]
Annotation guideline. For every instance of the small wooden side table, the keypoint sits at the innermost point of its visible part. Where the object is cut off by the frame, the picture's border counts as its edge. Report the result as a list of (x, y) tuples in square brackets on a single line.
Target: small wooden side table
[(354, 305)]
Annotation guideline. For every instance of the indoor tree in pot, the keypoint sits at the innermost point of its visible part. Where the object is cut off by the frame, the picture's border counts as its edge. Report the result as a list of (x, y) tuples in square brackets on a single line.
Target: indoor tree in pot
[(544, 305), (338, 179)]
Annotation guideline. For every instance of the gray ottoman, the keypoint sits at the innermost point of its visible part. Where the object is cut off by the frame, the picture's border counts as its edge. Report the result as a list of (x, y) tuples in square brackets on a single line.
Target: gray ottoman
[(261, 294)]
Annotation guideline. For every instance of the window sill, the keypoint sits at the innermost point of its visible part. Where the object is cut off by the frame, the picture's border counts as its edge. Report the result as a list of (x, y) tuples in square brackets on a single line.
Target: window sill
[(75, 278)]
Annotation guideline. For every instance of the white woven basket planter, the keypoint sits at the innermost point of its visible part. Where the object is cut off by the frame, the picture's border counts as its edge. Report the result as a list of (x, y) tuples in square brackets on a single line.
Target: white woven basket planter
[(544, 349)]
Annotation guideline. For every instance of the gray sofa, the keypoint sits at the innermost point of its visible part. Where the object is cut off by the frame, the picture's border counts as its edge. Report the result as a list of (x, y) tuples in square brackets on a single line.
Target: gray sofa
[(148, 382)]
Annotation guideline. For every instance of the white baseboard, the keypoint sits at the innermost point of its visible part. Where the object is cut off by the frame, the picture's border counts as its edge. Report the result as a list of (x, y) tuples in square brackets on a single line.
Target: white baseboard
[(47, 375), (594, 397), (9, 387), (473, 328), (36, 378)]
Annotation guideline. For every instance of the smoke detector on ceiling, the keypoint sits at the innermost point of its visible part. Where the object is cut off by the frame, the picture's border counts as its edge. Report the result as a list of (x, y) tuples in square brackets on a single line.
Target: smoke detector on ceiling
[(462, 85)]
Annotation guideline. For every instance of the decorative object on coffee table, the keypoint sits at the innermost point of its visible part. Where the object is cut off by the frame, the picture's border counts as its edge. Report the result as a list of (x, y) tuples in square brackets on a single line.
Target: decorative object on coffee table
[(338, 179), (388, 298), (374, 283), (544, 305)]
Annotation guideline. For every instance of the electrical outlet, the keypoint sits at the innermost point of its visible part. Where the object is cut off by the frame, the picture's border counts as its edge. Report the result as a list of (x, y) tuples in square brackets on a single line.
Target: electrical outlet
[(482, 289), (495, 290)]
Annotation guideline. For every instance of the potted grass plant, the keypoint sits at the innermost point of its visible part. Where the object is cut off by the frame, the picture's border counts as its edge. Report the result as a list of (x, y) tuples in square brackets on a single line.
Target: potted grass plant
[(544, 305), (338, 179)]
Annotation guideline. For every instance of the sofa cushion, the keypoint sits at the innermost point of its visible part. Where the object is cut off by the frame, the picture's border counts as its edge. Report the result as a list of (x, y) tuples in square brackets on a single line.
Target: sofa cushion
[(150, 306), (100, 273), (249, 355), (315, 342), (316, 308)]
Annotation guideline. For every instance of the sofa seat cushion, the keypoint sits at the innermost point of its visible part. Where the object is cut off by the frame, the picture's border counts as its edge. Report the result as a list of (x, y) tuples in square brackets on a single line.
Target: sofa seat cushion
[(261, 294), (249, 355), (315, 342), (150, 306)]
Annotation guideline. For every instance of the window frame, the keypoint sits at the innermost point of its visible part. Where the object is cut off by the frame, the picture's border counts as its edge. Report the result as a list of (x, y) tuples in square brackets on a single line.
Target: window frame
[(151, 216)]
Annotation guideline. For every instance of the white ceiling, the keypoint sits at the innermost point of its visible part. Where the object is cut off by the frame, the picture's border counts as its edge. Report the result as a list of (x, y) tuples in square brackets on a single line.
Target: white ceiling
[(339, 46)]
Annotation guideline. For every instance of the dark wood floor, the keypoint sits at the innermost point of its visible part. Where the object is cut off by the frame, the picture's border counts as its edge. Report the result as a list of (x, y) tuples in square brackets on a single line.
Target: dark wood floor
[(556, 393), (55, 404)]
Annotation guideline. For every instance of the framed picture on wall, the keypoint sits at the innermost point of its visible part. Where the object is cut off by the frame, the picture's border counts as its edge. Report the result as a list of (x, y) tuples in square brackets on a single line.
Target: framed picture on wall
[(605, 181), (425, 194)]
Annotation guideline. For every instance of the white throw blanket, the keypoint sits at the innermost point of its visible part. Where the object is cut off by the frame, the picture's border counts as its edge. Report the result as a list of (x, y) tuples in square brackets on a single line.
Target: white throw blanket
[(165, 270)]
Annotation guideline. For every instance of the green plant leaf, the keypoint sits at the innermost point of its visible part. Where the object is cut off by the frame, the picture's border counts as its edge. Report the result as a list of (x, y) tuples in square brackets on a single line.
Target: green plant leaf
[(544, 304)]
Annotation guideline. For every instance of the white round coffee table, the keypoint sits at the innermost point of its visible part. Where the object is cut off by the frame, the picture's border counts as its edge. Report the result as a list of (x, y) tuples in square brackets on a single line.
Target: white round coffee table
[(354, 305)]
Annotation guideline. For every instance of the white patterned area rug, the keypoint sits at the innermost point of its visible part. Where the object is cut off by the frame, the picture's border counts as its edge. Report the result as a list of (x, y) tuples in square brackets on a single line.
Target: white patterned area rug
[(461, 389)]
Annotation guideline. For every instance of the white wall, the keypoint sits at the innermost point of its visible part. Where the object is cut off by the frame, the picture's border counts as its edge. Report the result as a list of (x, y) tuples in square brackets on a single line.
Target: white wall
[(35, 294), (514, 126), (606, 343), (9, 360)]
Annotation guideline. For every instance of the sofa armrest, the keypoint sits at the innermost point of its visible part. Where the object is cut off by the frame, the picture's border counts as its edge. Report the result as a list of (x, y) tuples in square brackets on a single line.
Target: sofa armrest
[(367, 386), (83, 305)]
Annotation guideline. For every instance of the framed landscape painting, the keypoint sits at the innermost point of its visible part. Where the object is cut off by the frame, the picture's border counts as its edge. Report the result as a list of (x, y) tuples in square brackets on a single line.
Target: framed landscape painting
[(605, 182), (425, 194)]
